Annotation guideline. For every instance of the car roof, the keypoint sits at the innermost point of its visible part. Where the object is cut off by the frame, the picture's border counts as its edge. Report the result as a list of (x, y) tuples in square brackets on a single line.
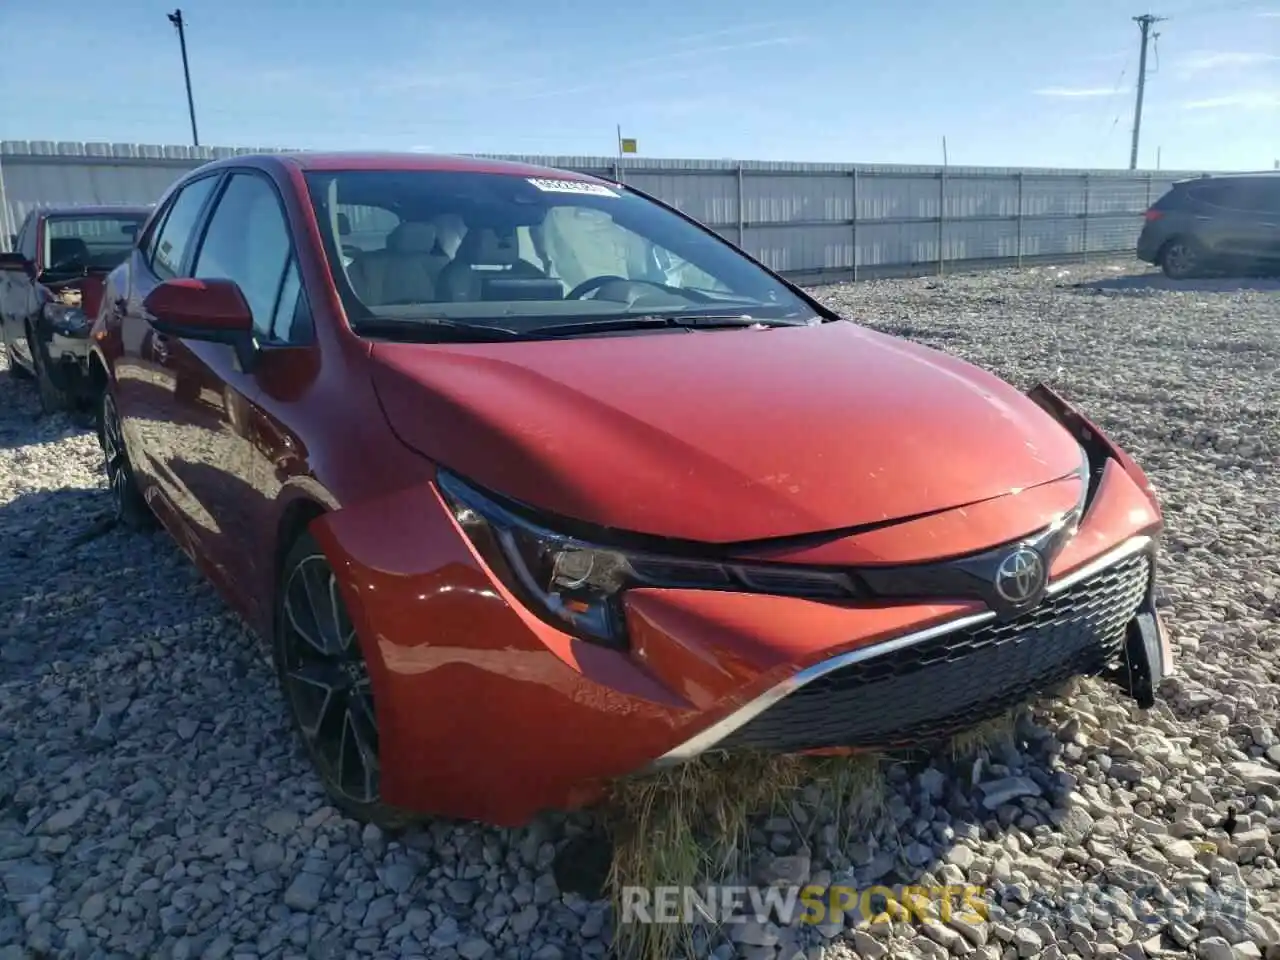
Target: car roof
[(402, 162), (95, 209), (1227, 177)]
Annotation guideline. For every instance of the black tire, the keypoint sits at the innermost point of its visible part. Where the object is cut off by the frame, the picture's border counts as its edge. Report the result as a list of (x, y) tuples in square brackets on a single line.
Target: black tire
[(327, 688), (1182, 259), (129, 506), (16, 369), (53, 399)]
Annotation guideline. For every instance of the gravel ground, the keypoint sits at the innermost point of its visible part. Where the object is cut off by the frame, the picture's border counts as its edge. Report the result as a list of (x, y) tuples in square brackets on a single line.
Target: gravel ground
[(153, 803)]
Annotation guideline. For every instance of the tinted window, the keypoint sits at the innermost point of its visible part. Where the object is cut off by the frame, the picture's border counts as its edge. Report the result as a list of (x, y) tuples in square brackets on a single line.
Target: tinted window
[(175, 236), (1210, 193), (1263, 194), (148, 245), (1239, 195), (248, 241), (510, 250), (292, 323)]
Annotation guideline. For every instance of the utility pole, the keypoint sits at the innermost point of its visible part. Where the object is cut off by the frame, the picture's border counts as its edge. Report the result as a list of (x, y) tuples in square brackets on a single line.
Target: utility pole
[(1144, 23), (176, 19)]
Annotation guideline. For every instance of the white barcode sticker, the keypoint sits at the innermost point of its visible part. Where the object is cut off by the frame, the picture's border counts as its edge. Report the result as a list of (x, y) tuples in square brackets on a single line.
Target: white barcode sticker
[(581, 187)]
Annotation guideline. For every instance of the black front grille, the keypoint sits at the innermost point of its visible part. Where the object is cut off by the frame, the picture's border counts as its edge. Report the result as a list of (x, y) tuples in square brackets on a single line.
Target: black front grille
[(932, 689)]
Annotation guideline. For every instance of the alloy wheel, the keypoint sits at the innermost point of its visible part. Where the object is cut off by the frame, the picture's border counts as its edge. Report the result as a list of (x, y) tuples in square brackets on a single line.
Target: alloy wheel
[(328, 683), (1180, 260), (115, 459)]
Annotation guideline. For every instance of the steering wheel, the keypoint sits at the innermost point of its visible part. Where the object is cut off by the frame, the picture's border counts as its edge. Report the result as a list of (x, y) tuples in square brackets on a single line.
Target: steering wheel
[(592, 285)]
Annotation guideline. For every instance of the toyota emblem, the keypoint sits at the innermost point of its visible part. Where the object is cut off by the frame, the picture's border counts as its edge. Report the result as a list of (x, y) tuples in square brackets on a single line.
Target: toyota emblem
[(1021, 576)]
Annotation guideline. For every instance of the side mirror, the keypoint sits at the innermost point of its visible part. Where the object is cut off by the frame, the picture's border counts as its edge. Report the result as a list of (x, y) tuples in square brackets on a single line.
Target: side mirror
[(211, 310), (15, 262)]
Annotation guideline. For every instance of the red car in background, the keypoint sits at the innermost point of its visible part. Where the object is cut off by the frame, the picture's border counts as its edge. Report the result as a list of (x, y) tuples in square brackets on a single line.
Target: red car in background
[(533, 482), (51, 287)]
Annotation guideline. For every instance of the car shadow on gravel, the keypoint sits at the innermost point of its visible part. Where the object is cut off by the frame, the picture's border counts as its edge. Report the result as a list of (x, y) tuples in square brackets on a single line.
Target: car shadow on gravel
[(69, 593), (1158, 282)]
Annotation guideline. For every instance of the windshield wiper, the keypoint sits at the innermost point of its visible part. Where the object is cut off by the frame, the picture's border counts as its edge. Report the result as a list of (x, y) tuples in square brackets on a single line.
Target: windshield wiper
[(430, 329), (656, 321)]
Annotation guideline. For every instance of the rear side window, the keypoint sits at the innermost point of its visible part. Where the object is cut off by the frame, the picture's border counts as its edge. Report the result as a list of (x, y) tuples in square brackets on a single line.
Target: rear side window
[(1266, 195), (1245, 196), (175, 235), (1210, 193)]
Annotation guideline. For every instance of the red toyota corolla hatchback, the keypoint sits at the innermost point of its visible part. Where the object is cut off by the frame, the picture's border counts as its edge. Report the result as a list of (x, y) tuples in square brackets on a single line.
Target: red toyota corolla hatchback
[(533, 482)]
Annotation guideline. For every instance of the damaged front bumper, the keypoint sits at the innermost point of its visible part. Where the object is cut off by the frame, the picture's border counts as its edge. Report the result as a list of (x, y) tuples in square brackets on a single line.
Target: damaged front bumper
[(922, 688), (65, 338), (1148, 659)]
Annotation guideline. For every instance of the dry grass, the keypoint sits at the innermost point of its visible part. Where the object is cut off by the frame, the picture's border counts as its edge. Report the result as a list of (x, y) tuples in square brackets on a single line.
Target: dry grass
[(997, 731), (689, 825)]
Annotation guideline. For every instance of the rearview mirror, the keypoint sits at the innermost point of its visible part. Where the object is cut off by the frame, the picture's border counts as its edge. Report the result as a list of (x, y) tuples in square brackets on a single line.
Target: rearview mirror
[(16, 262), (210, 310)]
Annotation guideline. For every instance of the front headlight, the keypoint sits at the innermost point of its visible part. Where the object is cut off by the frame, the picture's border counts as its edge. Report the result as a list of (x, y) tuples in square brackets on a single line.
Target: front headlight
[(577, 586), (65, 319)]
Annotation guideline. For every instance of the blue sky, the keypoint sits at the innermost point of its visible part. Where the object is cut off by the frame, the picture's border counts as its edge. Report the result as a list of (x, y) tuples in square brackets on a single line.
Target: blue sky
[(1008, 83)]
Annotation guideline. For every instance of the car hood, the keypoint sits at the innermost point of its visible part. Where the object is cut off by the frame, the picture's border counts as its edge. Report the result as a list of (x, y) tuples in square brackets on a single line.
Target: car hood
[(721, 436)]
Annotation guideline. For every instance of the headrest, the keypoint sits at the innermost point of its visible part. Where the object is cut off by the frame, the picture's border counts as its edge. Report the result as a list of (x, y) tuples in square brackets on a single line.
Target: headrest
[(487, 247), (449, 231), (67, 248), (412, 237), (344, 225)]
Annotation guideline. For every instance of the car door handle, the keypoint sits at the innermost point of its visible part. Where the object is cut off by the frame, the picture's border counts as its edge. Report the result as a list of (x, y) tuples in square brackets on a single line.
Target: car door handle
[(1271, 224), (1202, 217)]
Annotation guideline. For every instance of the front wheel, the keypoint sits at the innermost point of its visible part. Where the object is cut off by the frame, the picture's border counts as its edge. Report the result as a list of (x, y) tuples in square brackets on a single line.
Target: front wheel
[(16, 369), (52, 397), (129, 506), (327, 687)]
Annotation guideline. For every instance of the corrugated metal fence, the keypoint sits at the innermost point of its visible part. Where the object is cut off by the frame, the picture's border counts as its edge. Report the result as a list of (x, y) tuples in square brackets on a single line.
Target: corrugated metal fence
[(811, 221)]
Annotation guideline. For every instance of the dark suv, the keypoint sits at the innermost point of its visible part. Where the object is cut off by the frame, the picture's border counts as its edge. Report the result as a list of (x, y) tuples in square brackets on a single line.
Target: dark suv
[(1212, 224)]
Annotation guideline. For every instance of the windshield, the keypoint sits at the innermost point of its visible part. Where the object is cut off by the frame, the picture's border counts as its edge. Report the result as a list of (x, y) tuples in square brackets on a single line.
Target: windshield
[(497, 250), (89, 242)]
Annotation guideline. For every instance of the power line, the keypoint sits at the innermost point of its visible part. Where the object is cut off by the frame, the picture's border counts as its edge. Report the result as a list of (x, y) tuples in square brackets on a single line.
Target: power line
[(1111, 100), (1144, 23)]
